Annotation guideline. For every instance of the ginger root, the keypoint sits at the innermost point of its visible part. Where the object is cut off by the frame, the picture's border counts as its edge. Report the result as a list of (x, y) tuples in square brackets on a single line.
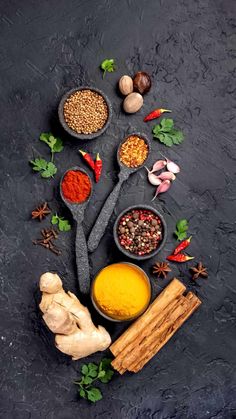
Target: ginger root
[(64, 315)]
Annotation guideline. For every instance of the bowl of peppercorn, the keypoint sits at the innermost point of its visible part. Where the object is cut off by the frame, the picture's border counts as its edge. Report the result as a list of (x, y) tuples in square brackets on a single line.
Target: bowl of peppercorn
[(85, 112), (140, 232)]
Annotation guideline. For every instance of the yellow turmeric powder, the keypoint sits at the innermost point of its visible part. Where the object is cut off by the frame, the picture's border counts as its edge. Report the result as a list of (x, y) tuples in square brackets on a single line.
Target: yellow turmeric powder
[(121, 291)]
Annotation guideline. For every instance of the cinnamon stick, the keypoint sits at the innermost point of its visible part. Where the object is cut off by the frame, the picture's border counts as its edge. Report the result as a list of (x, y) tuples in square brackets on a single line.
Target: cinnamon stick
[(156, 340), (174, 290), (192, 303), (156, 321)]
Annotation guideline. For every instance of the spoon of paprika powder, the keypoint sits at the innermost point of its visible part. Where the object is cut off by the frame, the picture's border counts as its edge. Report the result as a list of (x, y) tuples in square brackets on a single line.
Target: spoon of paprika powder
[(132, 155), (76, 190)]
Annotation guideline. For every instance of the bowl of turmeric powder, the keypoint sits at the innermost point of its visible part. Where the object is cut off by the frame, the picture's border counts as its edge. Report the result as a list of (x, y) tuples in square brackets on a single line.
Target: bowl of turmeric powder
[(121, 291)]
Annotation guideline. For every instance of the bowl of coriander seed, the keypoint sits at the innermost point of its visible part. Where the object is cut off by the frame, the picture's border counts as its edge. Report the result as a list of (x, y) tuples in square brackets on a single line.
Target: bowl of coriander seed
[(85, 112)]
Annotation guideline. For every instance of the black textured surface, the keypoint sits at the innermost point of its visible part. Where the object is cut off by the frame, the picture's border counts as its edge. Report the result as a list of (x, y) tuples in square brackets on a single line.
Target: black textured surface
[(188, 47)]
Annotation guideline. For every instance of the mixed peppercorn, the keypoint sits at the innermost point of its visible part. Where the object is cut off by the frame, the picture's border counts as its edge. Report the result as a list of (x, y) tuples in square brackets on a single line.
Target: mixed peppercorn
[(140, 231)]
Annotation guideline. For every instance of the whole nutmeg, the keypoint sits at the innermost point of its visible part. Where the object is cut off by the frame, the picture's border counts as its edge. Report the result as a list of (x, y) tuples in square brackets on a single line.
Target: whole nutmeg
[(142, 82), (133, 102), (126, 85)]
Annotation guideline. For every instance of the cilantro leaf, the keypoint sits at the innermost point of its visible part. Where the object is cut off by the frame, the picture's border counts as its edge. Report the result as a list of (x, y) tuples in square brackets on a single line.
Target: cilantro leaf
[(108, 65), (46, 169), (58, 146), (63, 224), (38, 164), (49, 171), (167, 124), (54, 143), (166, 133), (84, 368), (181, 229), (92, 372), (82, 393), (87, 380), (94, 394), (105, 363), (105, 378), (101, 374)]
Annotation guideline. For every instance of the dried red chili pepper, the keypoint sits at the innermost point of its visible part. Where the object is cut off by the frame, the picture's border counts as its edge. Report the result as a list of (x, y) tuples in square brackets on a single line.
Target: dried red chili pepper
[(155, 114), (88, 159), (98, 168), (180, 257), (182, 246)]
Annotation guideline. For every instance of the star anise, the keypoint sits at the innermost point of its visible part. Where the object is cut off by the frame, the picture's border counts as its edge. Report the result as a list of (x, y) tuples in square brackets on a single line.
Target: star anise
[(199, 270), (161, 269), (41, 211)]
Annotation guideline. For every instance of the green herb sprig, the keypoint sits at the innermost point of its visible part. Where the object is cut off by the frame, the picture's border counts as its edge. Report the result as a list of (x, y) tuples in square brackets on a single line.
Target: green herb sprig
[(92, 372), (166, 133), (54, 143), (45, 168), (181, 229), (63, 224), (108, 65)]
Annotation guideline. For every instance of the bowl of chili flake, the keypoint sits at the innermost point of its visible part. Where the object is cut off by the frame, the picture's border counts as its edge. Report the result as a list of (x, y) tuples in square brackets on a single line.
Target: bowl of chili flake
[(140, 232), (85, 112)]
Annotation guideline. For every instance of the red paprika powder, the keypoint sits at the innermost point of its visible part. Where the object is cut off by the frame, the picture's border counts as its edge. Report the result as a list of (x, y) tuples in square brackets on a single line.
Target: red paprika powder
[(76, 186)]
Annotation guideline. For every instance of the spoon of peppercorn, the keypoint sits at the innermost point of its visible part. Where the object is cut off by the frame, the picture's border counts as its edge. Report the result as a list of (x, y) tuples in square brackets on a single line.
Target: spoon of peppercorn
[(77, 209), (102, 220)]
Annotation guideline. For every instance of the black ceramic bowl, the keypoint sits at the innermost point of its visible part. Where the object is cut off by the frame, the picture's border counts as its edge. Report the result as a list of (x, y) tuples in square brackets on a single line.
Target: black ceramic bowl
[(71, 131), (133, 255)]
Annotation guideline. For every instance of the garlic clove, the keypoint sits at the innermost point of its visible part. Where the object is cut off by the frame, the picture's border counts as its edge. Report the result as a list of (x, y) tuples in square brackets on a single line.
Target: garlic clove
[(172, 167), (153, 179), (163, 187), (167, 176), (160, 164)]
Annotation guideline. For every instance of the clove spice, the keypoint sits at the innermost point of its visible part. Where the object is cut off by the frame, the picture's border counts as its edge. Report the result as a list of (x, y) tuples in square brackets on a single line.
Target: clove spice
[(48, 235)]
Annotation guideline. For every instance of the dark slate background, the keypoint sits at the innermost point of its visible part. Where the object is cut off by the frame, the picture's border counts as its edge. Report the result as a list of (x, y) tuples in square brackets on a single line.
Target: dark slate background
[(188, 47)]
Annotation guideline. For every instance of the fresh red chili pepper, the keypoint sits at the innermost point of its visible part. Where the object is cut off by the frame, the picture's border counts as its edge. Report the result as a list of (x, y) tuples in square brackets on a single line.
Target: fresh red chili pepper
[(98, 168), (88, 159), (182, 246), (180, 257), (155, 114)]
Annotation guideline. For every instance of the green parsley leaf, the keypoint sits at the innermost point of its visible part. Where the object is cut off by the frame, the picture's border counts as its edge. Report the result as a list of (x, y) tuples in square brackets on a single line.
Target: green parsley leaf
[(92, 372), (46, 169), (39, 164), (54, 143), (105, 363), (94, 394), (49, 171), (181, 229), (166, 124), (84, 368), (107, 376), (63, 224), (101, 374), (166, 133), (87, 380), (82, 393), (108, 65)]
